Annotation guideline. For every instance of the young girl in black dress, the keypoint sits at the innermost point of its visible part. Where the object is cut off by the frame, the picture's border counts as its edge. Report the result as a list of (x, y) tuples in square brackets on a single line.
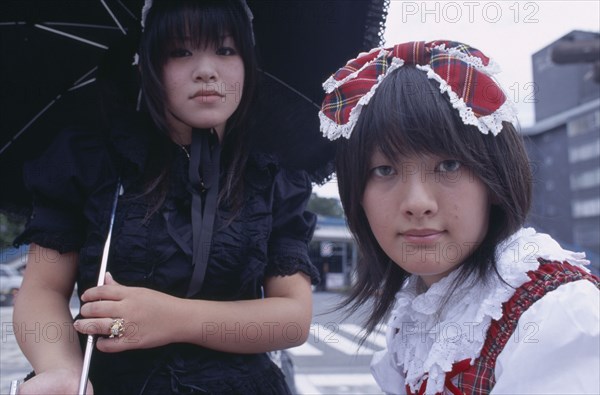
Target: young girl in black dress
[(205, 227)]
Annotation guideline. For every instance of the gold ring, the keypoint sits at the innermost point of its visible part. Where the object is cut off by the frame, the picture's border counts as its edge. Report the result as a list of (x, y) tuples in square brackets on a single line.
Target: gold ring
[(117, 328)]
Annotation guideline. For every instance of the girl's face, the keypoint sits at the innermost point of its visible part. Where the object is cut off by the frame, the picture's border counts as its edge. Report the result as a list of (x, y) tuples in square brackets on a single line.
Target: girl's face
[(203, 87), (427, 213)]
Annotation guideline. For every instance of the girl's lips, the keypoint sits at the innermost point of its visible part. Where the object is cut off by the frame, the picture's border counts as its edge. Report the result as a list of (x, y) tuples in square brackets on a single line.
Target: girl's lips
[(422, 236), (207, 98)]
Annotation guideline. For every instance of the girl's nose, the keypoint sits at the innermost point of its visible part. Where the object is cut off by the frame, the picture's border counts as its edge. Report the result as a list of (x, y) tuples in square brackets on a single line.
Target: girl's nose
[(418, 198), (205, 70)]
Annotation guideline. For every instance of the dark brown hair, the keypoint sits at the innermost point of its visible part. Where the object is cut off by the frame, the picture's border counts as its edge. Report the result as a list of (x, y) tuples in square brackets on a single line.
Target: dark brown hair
[(204, 23), (408, 115)]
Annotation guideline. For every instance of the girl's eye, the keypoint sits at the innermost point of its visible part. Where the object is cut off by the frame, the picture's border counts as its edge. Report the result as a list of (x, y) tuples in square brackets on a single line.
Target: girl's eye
[(226, 51), (383, 171), (448, 165), (179, 53)]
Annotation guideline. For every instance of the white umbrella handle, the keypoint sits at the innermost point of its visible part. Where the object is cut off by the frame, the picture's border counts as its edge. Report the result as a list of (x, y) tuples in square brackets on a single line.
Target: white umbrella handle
[(14, 386), (89, 347)]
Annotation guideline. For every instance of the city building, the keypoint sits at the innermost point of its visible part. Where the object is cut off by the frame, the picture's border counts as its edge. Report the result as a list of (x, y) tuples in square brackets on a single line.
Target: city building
[(333, 252), (564, 147)]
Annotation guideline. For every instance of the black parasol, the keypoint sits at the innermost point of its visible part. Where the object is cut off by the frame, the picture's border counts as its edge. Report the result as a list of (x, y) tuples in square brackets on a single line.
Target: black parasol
[(50, 52)]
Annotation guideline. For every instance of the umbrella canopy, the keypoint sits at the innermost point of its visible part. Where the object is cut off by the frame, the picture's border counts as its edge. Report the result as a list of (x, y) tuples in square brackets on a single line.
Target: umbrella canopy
[(51, 50)]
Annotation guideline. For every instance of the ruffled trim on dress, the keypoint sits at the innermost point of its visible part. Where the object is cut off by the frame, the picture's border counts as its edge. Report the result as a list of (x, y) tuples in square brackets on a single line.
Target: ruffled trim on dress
[(424, 340), (62, 242), (286, 266)]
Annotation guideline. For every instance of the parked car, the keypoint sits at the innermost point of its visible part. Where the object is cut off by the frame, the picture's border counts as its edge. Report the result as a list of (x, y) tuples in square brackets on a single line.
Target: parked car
[(10, 282)]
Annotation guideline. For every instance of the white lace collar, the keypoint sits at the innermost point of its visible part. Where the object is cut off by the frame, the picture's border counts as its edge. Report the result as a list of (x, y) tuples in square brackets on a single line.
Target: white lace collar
[(424, 343)]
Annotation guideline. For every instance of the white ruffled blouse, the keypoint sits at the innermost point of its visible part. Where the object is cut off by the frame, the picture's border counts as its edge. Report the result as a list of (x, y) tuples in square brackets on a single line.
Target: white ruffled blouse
[(560, 331)]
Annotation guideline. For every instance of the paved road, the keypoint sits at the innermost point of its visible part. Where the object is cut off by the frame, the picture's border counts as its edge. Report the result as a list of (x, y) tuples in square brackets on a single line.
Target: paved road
[(330, 362)]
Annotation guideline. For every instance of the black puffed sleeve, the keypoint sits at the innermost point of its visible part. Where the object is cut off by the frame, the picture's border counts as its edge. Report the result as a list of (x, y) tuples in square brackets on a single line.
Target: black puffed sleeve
[(61, 181), (293, 226)]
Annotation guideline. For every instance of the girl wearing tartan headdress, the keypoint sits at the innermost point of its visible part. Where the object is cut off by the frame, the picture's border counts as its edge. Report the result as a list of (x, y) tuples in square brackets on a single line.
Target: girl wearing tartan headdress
[(436, 185)]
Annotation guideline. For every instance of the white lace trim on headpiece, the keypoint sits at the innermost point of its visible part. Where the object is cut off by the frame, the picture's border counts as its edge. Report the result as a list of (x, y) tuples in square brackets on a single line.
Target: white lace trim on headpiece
[(491, 68), (145, 11)]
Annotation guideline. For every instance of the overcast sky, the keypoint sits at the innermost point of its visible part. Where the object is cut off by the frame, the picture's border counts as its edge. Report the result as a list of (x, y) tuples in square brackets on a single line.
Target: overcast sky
[(508, 31)]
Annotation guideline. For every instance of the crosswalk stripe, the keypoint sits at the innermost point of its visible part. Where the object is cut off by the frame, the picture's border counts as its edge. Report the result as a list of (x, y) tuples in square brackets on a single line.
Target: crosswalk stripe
[(304, 385), (376, 337), (329, 336), (343, 337), (331, 379), (305, 350), (308, 384)]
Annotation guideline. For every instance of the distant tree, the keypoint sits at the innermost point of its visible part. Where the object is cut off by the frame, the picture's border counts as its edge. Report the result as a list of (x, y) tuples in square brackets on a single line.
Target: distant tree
[(330, 207), (10, 227)]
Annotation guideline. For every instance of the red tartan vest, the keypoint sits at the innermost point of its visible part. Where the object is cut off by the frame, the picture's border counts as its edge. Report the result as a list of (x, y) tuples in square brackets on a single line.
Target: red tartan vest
[(479, 378)]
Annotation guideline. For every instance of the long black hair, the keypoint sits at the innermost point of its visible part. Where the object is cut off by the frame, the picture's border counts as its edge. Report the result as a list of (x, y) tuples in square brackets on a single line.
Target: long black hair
[(204, 22), (408, 115)]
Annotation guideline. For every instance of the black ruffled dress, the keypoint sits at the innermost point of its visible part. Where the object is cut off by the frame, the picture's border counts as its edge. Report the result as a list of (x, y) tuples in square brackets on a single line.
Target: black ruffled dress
[(73, 186)]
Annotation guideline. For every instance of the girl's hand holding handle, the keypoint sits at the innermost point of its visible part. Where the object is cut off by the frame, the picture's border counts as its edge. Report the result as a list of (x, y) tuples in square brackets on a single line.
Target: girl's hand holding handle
[(140, 317)]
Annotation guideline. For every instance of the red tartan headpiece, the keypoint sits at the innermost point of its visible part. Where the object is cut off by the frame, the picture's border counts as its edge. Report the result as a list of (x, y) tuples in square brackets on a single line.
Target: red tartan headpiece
[(464, 74)]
